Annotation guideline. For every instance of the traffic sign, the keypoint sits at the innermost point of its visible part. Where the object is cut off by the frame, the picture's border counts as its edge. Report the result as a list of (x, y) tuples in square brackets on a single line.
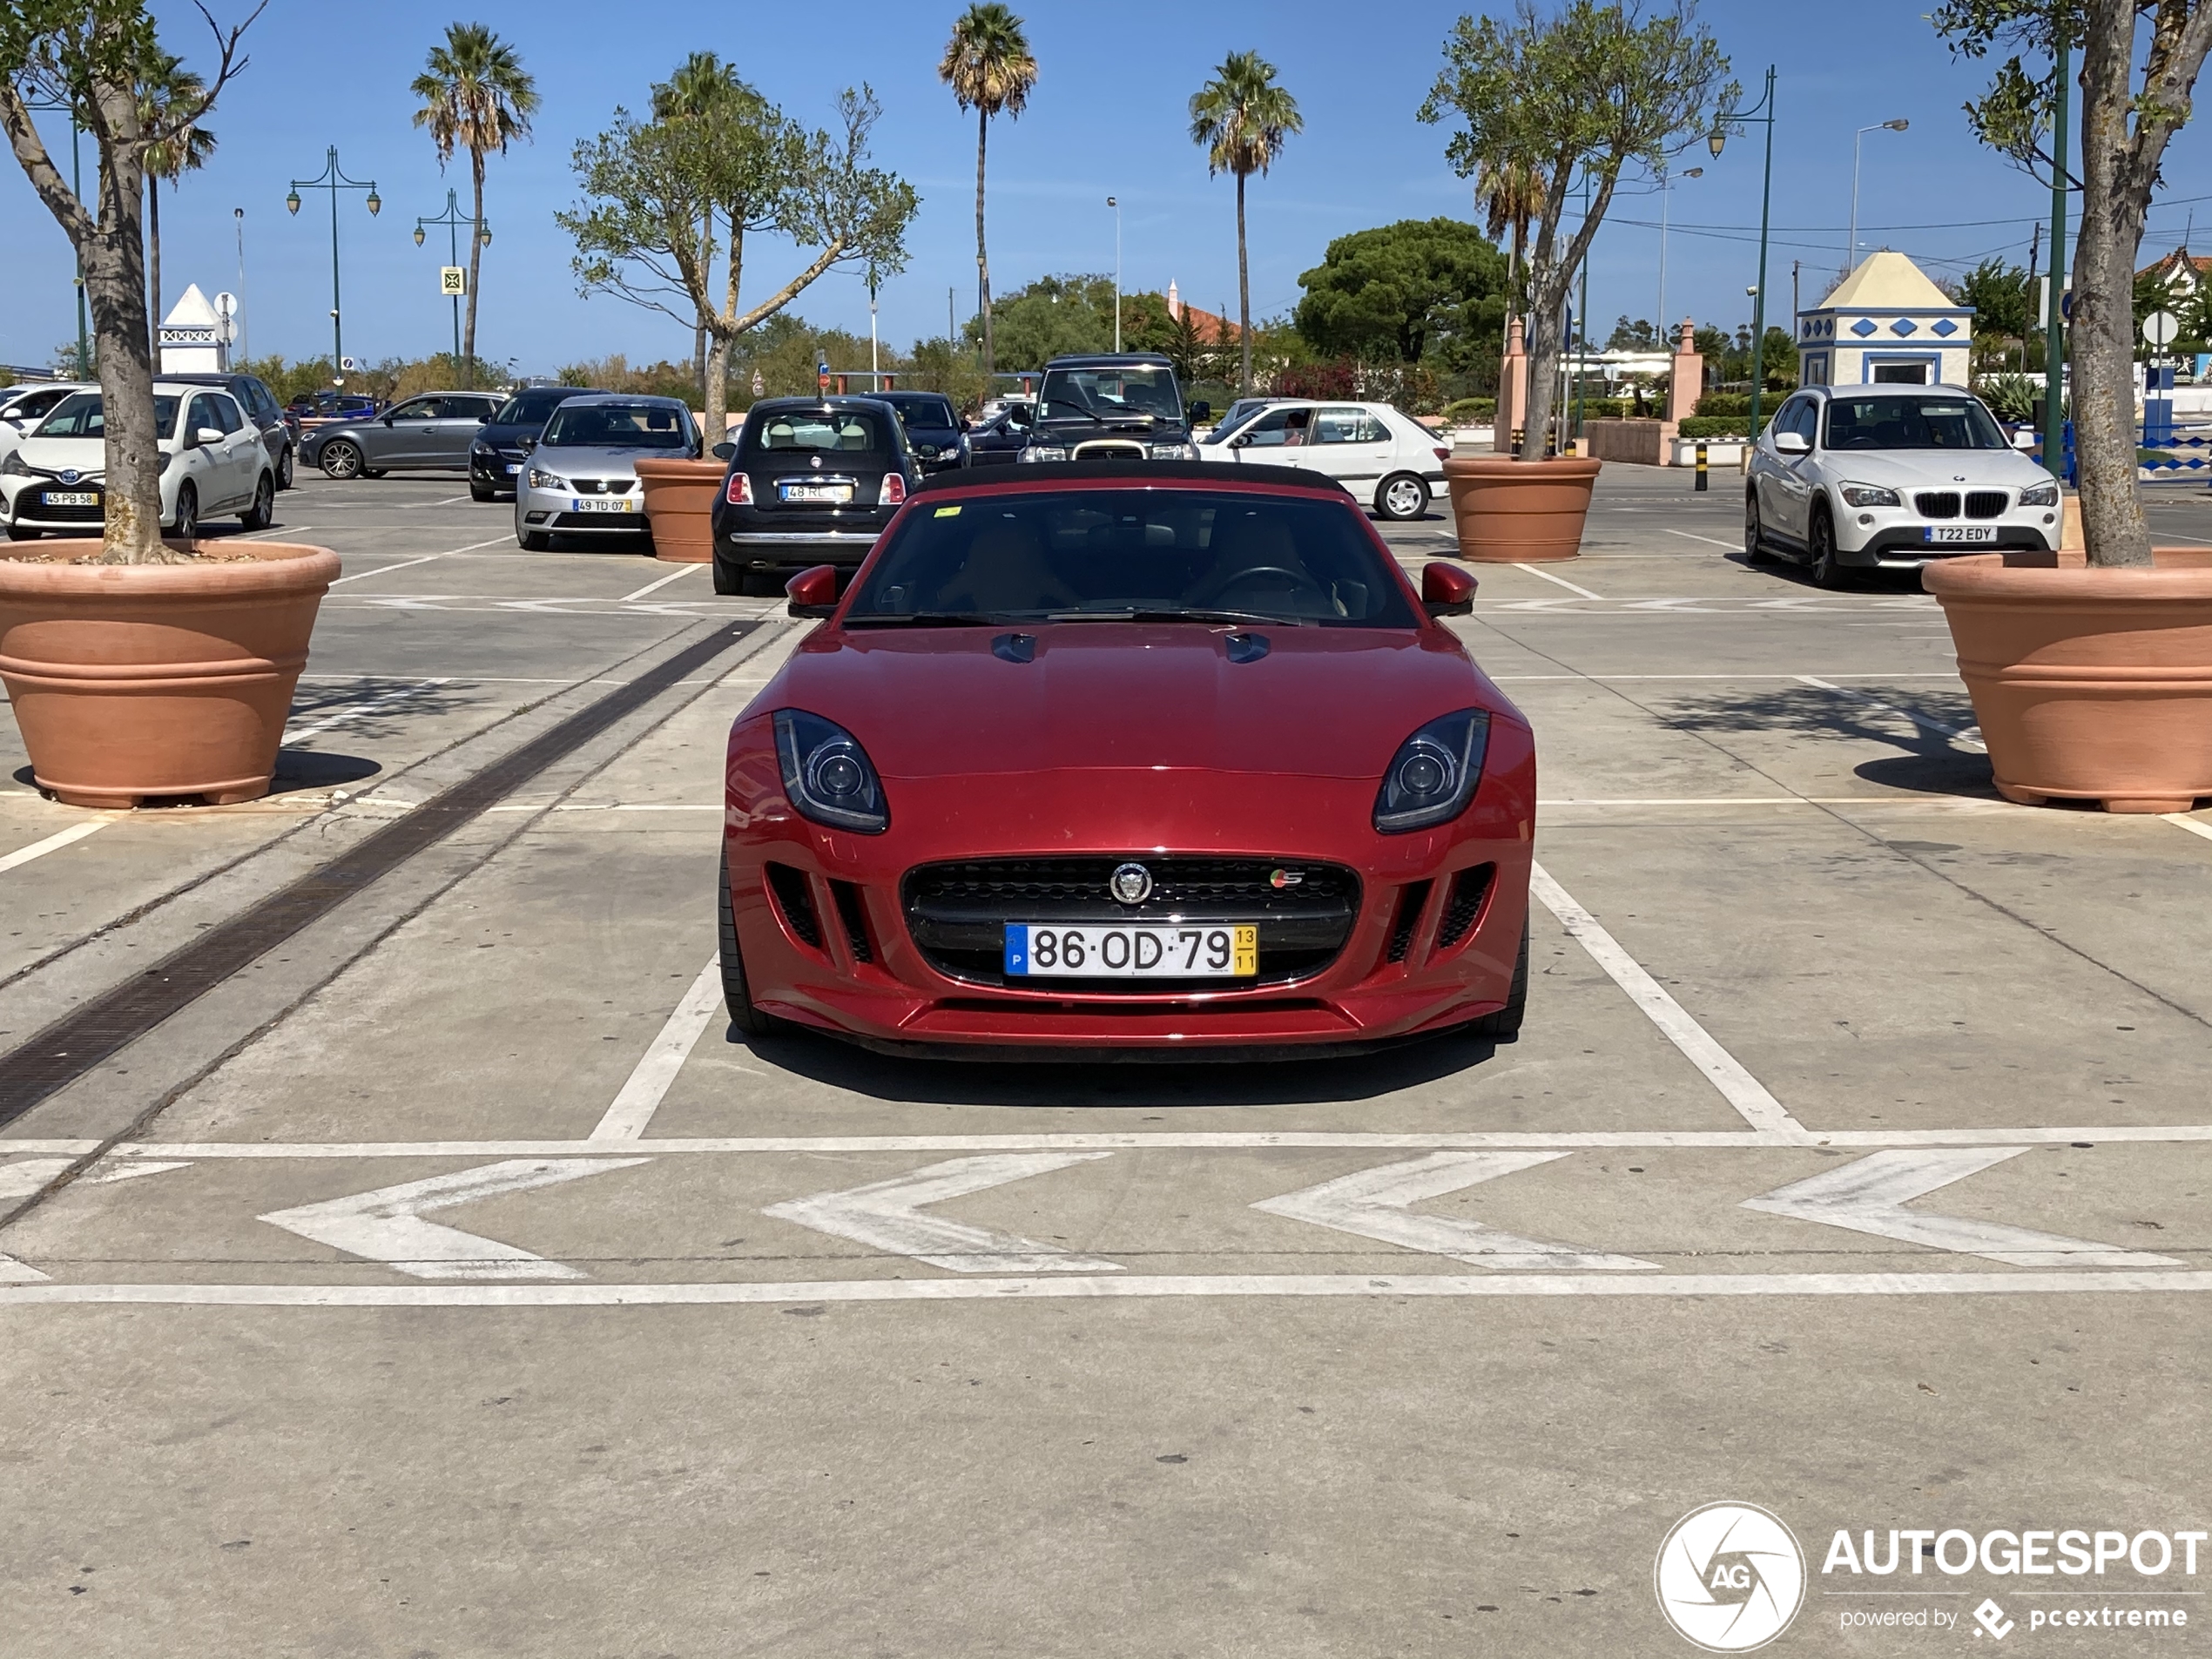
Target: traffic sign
[(453, 280), (2160, 327)]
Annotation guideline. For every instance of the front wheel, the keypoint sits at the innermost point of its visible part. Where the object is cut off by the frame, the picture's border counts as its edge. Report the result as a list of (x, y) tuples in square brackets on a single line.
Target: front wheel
[(1754, 531), (533, 541), (341, 460), (1826, 572), (186, 528), (262, 513), (735, 991), (481, 492), (1504, 1026), (284, 468), (1402, 497)]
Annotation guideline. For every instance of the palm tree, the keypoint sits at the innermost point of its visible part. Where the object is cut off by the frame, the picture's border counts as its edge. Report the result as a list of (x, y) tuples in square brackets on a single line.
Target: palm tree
[(989, 66), (169, 85), (1510, 195), (475, 96), (700, 82), (1240, 118)]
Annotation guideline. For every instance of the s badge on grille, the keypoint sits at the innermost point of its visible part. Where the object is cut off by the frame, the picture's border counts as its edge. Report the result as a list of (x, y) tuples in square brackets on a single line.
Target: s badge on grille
[(1286, 878), (1130, 883)]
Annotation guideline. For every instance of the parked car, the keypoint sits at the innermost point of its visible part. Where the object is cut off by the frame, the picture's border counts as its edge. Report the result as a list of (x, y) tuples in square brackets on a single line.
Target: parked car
[(1888, 476), (280, 431), (431, 432), (1234, 416), (1382, 455), (1120, 406), (1168, 758), (1001, 438), (313, 409), (812, 481), (23, 407), (932, 429), (496, 453), (53, 480), (582, 478)]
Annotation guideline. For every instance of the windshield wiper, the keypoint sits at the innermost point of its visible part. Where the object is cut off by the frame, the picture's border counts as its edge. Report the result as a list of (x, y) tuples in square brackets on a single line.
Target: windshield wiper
[(1178, 614), (1090, 414), (925, 619)]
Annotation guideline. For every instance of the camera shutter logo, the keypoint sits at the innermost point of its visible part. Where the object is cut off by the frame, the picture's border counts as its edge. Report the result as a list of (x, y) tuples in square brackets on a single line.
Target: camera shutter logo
[(1729, 1577)]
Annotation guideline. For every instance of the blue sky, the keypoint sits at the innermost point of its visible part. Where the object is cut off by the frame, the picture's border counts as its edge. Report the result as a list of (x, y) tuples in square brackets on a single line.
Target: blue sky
[(1107, 116)]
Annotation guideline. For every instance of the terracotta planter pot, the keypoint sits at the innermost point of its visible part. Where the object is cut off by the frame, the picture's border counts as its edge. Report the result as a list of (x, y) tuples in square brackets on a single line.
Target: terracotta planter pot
[(2088, 684), (130, 682), (679, 504), (1513, 512)]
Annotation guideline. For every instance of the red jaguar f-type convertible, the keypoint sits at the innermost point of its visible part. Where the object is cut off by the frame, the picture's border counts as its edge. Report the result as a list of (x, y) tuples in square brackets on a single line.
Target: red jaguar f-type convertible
[(1154, 760)]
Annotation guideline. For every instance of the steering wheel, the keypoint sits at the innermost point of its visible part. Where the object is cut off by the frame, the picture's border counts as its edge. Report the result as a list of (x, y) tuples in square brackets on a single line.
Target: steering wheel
[(1295, 579)]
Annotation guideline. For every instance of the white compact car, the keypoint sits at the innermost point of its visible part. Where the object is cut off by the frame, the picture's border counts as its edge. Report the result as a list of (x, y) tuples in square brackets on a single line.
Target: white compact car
[(1889, 476), (23, 407), (581, 478), (1378, 452), (53, 479)]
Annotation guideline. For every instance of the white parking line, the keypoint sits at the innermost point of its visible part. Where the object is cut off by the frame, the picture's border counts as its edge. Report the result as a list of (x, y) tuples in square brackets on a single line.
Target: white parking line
[(1739, 1086), (1561, 581), (355, 710), (383, 570), (680, 572), (282, 530), (1957, 734), (2181, 819), (75, 832), (1733, 547), (633, 1109)]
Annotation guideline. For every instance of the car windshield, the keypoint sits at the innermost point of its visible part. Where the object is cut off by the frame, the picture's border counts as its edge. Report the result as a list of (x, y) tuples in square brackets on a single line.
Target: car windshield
[(1142, 555), (616, 426), (1912, 422), (921, 409), (78, 416), (531, 409), (818, 431), (1122, 391)]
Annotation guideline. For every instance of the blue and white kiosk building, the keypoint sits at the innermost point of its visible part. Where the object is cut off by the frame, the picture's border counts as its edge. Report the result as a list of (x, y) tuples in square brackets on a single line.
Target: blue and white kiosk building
[(1885, 322)]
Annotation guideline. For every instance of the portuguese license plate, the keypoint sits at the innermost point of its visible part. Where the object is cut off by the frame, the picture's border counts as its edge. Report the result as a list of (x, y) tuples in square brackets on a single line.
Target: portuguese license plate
[(1968, 533), (71, 498), (815, 492), (603, 504), (1049, 950)]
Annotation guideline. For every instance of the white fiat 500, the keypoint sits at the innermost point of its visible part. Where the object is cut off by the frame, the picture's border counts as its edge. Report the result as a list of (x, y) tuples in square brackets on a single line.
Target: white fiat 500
[(53, 481), (1381, 455), (1889, 476)]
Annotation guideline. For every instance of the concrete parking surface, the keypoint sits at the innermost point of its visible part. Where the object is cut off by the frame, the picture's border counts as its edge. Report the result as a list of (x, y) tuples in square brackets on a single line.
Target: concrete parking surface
[(452, 1281)]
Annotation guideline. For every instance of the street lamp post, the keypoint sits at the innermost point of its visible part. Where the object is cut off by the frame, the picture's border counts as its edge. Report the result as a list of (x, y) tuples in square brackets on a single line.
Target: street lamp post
[(1666, 192), (1851, 257), (76, 189), (2055, 321), (1762, 113), (1114, 202), (334, 180), (238, 217), (453, 218)]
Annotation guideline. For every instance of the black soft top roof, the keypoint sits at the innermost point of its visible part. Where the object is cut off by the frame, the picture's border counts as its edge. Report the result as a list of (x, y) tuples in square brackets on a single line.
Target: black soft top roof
[(1193, 474)]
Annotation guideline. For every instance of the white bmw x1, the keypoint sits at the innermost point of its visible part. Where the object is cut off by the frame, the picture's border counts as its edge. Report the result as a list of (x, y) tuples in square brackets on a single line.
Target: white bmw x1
[(1889, 476)]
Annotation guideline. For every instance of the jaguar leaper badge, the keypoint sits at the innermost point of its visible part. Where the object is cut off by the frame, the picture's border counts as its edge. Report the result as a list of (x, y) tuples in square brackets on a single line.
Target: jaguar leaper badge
[(1130, 883)]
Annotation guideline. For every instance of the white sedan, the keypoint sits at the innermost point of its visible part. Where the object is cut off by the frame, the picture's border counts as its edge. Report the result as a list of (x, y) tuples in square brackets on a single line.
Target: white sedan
[(53, 480), (1377, 452), (1889, 476)]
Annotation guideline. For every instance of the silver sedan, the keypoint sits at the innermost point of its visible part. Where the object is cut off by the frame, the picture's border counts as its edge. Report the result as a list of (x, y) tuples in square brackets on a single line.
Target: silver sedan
[(582, 479)]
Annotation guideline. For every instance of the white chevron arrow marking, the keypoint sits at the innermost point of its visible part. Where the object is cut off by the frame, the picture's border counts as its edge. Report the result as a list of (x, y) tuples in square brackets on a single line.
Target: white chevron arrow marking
[(25, 1176), (1867, 1196), (386, 1226), (1373, 1204), (887, 1216)]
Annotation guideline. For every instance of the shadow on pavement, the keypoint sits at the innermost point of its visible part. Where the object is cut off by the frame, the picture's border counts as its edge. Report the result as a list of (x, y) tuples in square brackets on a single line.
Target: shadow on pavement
[(1930, 763)]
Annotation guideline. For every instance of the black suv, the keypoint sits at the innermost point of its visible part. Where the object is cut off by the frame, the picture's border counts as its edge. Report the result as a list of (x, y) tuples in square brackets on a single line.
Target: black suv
[(933, 430), (280, 429), (812, 481), (1112, 406), (496, 453)]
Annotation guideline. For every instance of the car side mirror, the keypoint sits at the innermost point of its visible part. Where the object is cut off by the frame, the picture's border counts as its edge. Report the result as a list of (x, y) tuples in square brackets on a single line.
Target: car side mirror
[(1447, 591), (1241, 440), (2027, 438), (526, 444), (1792, 443), (1199, 411), (389, 419), (813, 591), (723, 451), (206, 434)]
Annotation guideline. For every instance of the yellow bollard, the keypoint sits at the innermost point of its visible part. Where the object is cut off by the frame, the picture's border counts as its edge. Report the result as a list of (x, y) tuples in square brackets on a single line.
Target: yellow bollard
[(1702, 485)]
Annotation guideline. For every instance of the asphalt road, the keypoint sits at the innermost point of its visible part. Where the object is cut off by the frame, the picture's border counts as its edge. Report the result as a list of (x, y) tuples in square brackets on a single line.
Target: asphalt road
[(430, 1293)]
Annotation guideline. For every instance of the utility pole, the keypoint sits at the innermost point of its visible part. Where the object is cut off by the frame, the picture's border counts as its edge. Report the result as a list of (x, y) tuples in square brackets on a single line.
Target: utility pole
[(2034, 257), (2054, 320), (1713, 142), (1114, 202), (237, 217)]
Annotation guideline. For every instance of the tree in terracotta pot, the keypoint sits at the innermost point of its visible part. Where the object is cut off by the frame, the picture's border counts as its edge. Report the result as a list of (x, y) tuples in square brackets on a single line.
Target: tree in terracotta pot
[(135, 667), (1567, 104), (2091, 682)]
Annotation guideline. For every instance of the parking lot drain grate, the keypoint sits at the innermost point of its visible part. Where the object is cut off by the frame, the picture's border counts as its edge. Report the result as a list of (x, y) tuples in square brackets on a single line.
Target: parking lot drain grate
[(79, 1040)]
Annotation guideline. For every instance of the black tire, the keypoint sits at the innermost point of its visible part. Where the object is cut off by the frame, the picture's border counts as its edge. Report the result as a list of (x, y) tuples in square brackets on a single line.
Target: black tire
[(481, 492), (1755, 547), (533, 541), (186, 528), (341, 460), (749, 1020), (373, 472), (284, 468), (726, 581), (763, 585), (1402, 496), (262, 513), (1504, 1026), (1826, 573)]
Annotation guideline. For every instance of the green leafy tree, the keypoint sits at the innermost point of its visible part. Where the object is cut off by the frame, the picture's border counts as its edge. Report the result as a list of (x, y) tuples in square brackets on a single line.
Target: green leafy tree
[(1639, 335), (475, 97), (1510, 194), (1241, 118), (2004, 307), (169, 86), (1585, 94), (1395, 294), (648, 186), (2128, 116), (989, 67), (700, 82), (92, 57)]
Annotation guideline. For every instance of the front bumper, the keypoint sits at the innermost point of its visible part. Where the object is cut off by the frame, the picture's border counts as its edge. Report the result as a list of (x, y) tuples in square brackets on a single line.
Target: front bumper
[(496, 471), (1897, 539), (1408, 964), (556, 512)]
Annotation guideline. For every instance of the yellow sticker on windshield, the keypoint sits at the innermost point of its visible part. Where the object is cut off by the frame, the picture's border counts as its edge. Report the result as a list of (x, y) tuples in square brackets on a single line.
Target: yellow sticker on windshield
[(949, 512)]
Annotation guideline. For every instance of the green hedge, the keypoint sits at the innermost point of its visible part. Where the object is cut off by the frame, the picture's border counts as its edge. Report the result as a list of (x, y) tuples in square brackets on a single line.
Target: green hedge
[(1719, 426), (1470, 411)]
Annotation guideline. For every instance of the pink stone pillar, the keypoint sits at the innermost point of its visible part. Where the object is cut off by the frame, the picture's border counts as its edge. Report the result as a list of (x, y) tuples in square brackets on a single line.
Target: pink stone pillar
[(1688, 380), (1513, 388)]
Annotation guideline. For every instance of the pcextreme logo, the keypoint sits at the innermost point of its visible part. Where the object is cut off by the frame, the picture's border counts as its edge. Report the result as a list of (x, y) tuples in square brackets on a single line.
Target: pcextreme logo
[(1729, 1577)]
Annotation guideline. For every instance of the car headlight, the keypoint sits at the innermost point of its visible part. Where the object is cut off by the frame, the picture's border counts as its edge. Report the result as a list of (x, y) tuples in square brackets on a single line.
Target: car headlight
[(546, 480), (1172, 451), (1044, 452), (827, 775), (11, 467), (1867, 495), (1433, 776), (2034, 496)]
